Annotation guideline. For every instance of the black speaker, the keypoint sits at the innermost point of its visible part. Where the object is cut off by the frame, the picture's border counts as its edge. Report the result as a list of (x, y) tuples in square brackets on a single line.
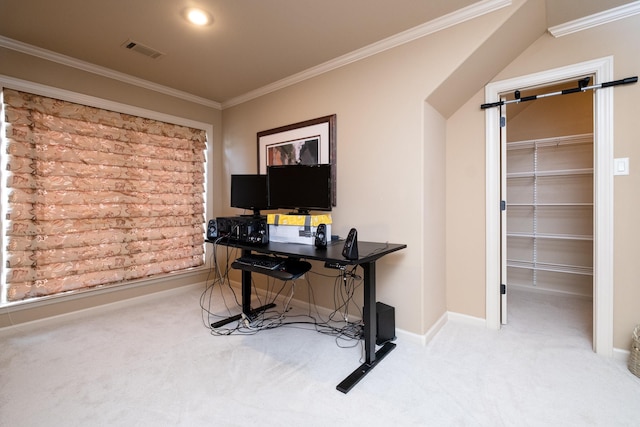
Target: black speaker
[(385, 323), (350, 249), (212, 230), (321, 236)]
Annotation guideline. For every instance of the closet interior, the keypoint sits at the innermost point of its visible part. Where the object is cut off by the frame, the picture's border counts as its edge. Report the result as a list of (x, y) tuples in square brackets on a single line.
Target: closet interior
[(549, 196)]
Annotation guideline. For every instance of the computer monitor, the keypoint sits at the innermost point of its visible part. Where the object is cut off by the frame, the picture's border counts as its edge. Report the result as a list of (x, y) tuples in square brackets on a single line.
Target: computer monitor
[(300, 187), (249, 192)]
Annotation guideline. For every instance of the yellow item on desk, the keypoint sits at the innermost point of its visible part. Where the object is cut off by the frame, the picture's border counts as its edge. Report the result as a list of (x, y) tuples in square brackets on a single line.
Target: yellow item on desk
[(296, 228)]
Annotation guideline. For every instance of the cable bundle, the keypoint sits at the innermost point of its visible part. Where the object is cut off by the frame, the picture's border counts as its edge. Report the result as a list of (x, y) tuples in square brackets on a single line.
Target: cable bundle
[(344, 322)]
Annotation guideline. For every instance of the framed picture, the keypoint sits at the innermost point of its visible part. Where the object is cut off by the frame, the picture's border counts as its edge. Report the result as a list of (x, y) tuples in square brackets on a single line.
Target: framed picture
[(312, 142)]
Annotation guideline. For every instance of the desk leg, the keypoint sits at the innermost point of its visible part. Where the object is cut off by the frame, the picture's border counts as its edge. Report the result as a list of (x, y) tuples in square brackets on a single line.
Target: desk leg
[(370, 331), (246, 289), (370, 326), (246, 293), (246, 300)]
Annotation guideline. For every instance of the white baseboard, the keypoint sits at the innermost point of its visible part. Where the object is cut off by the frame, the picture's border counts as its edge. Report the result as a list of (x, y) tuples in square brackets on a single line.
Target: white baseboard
[(621, 355), (466, 319), (406, 336), (103, 308), (438, 325), (401, 334), (424, 339)]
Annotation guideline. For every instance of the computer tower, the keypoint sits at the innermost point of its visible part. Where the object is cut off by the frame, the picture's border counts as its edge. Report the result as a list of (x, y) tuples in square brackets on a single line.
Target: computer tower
[(385, 323)]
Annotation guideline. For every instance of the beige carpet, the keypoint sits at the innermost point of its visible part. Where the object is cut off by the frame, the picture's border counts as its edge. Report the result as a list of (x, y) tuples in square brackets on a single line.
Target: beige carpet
[(153, 363)]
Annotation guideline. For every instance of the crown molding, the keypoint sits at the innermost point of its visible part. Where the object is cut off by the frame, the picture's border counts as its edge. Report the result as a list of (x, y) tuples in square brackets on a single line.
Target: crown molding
[(465, 14), (596, 19), (103, 71)]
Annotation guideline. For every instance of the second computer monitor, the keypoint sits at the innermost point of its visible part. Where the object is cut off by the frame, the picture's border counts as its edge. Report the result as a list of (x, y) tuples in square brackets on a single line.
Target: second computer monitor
[(300, 187), (249, 192)]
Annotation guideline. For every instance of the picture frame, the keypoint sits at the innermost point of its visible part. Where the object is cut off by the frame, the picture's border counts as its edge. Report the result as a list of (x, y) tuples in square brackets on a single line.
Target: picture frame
[(309, 142)]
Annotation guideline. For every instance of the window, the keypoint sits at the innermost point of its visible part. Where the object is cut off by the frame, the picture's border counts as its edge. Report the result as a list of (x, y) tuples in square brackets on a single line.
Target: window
[(92, 197)]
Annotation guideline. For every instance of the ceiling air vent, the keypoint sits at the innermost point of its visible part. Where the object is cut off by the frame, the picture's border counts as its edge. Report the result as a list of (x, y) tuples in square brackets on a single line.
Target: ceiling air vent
[(140, 48)]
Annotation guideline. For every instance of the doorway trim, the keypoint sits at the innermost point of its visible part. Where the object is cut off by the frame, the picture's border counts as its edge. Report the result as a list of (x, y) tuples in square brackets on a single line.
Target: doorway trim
[(603, 193)]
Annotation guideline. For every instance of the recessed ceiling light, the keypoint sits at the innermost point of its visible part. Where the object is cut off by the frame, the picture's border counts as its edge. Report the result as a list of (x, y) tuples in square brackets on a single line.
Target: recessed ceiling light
[(197, 16)]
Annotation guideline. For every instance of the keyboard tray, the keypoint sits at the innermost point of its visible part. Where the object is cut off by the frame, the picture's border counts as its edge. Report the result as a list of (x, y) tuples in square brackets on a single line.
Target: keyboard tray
[(293, 268)]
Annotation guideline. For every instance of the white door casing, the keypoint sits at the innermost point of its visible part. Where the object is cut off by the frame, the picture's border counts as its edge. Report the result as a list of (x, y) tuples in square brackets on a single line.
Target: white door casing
[(602, 69), (503, 215)]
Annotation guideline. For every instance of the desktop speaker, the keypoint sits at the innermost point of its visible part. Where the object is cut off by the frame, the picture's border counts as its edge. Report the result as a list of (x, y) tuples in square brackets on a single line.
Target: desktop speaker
[(212, 229), (321, 236), (350, 249)]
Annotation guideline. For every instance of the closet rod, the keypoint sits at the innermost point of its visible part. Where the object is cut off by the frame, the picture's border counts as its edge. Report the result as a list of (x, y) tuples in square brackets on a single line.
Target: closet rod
[(582, 86)]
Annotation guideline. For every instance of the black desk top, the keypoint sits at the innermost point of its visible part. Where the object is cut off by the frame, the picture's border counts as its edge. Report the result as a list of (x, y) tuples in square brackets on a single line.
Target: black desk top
[(368, 251)]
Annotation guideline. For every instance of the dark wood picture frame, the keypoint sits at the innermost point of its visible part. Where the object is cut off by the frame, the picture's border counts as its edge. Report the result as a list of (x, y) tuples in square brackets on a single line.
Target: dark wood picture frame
[(308, 142)]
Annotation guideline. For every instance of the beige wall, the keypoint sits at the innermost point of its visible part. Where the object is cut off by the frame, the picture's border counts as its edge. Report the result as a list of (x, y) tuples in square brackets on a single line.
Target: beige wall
[(390, 159), (550, 117), (617, 39), (434, 294), (32, 69), (405, 173), (465, 209)]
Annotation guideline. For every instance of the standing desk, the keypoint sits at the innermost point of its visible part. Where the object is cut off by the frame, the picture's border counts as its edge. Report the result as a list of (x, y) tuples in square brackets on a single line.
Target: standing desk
[(369, 252)]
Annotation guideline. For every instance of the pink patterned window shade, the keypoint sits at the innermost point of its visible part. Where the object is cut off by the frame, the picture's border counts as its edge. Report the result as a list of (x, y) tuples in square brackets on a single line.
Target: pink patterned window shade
[(96, 197)]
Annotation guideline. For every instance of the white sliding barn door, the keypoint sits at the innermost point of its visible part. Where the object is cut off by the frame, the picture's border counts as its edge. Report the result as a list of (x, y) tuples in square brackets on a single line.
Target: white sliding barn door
[(503, 215)]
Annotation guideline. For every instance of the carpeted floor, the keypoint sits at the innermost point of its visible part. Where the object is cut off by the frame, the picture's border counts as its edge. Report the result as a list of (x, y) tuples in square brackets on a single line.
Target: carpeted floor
[(153, 363)]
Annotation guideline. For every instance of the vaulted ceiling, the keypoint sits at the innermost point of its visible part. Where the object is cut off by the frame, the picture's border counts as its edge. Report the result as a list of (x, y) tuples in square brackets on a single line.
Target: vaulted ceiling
[(249, 45)]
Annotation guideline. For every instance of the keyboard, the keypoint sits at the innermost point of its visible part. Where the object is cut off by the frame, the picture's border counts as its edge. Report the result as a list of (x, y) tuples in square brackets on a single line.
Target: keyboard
[(261, 261)]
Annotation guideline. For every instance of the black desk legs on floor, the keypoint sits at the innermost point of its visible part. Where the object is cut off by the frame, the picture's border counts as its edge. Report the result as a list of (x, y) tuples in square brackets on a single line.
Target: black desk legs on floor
[(370, 327), (333, 253), (246, 300), (246, 287), (370, 331)]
